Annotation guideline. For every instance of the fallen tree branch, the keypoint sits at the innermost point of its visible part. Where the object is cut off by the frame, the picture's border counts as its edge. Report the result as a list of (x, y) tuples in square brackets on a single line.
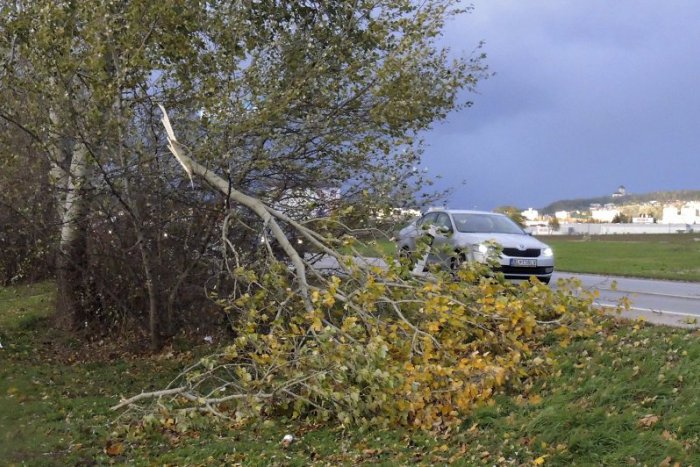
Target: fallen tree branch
[(148, 395)]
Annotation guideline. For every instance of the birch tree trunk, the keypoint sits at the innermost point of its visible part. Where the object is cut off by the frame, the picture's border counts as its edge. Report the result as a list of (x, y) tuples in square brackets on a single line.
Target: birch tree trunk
[(72, 252), (58, 176)]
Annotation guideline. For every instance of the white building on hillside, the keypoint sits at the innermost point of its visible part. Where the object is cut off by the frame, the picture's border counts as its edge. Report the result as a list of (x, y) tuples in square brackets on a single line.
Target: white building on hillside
[(530, 214), (688, 213), (561, 215), (621, 191), (605, 214)]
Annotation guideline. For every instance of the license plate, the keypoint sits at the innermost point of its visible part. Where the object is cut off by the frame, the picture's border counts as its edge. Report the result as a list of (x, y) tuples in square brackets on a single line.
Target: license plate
[(523, 263)]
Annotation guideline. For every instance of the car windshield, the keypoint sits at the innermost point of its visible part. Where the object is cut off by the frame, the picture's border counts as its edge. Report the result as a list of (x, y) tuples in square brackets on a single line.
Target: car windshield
[(485, 223)]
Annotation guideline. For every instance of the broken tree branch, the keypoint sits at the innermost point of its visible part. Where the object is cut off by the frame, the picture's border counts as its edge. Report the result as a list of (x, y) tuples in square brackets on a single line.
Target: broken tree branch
[(258, 207)]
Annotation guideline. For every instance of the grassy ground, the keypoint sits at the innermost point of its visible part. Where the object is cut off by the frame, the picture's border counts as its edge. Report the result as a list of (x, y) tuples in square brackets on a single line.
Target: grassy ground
[(675, 256), (628, 396), (374, 248), (55, 393)]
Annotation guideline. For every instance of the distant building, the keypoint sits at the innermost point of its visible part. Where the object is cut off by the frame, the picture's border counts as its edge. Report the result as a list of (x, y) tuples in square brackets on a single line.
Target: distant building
[(539, 229), (562, 215), (688, 213), (530, 214), (621, 191), (398, 214), (604, 214), (306, 203), (643, 219)]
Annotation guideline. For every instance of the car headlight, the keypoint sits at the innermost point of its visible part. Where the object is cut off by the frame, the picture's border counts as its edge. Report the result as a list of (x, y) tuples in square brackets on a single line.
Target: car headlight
[(483, 249), (547, 252)]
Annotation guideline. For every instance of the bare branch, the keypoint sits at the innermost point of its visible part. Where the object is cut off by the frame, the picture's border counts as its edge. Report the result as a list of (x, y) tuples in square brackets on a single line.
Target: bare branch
[(148, 395)]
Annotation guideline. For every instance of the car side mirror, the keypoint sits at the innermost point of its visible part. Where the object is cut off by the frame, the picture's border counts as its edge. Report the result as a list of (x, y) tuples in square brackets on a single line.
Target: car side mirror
[(444, 230)]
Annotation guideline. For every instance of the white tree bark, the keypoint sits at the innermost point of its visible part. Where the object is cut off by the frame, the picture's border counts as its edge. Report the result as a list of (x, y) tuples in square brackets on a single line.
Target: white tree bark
[(58, 176), (74, 206)]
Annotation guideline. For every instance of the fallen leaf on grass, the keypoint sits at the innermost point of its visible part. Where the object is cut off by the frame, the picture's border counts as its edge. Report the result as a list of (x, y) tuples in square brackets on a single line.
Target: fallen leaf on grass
[(114, 449), (535, 399), (667, 462), (371, 452), (648, 421)]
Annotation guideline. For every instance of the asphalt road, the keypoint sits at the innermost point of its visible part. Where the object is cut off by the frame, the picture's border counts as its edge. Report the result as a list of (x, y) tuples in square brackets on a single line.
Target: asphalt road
[(661, 302)]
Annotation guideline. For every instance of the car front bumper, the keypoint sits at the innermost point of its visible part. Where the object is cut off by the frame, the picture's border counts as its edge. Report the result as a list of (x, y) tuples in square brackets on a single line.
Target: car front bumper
[(542, 269)]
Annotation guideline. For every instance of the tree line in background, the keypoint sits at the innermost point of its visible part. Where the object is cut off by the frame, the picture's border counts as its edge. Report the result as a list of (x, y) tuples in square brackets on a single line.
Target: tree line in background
[(282, 100)]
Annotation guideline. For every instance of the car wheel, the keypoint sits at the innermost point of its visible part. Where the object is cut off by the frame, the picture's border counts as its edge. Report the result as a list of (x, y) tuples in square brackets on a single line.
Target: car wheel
[(405, 253), (457, 262)]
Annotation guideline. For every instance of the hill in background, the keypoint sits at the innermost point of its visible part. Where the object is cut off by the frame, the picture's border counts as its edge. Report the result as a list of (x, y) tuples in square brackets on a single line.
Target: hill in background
[(583, 204)]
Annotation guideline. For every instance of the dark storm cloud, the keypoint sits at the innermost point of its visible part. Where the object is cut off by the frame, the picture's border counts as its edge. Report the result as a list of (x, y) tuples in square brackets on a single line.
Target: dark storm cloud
[(586, 96)]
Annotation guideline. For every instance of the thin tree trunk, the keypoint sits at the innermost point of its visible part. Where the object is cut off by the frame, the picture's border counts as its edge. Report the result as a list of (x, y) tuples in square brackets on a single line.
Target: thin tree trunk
[(72, 251), (153, 297), (59, 156), (172, 296)]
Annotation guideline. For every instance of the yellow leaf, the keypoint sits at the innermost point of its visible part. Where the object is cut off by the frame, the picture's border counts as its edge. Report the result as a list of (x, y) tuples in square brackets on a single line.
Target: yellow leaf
[(315, 295), (535, 399), (328, 300), (539, 460)]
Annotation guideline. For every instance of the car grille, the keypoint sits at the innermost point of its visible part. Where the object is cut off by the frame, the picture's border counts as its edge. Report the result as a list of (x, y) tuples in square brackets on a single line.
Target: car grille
[(526, 271), (529, 253)]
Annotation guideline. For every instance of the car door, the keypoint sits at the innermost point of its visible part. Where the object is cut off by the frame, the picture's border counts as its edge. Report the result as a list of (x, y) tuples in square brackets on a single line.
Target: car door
[(422, 226), (441, 249)]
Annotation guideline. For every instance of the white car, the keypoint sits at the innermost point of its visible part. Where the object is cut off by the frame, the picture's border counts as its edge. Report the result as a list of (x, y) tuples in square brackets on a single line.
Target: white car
[(457, 235)]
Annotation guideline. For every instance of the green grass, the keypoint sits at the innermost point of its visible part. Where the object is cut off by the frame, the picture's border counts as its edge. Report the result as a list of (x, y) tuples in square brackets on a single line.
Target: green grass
[(374, 248), (675, 256), (626, 396), (54, 395)]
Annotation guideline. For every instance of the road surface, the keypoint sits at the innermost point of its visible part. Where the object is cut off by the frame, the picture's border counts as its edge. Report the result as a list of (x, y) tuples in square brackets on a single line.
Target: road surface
[(661, 302)]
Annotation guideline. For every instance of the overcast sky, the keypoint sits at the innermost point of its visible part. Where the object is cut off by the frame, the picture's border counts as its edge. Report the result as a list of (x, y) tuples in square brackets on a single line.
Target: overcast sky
[(587, 96)]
